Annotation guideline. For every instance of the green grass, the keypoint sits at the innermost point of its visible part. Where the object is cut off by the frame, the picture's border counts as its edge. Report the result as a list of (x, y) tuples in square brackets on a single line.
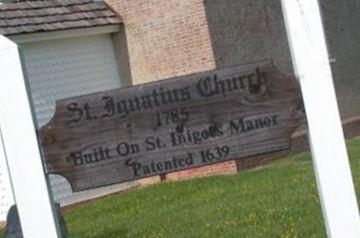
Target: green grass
[(279, 200)]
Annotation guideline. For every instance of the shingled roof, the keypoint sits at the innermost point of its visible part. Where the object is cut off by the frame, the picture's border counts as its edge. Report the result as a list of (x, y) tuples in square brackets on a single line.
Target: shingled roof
[(41, 16)]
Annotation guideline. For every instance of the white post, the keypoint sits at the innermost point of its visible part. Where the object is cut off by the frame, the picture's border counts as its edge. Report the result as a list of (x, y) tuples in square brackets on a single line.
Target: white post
[(311, 64), (21, 147), (6, 198)]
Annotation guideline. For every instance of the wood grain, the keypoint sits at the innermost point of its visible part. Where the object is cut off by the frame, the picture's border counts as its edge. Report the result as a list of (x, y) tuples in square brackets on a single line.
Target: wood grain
[(170, 125)]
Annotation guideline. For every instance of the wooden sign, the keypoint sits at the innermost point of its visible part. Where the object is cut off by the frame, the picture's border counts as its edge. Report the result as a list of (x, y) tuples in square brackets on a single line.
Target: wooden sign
[(170, 125)]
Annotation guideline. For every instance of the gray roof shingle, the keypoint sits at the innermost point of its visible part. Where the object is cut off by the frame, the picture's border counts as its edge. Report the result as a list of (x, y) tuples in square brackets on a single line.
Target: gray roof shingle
[(39, 16)]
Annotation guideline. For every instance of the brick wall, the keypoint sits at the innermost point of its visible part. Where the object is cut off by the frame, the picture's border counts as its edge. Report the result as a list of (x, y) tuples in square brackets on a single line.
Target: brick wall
[(244, 31), (341, 19), (229, 167), (166, 38)]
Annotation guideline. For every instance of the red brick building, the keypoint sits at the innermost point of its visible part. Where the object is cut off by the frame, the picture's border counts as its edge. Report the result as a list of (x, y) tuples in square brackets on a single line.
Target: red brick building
[(168, 38)]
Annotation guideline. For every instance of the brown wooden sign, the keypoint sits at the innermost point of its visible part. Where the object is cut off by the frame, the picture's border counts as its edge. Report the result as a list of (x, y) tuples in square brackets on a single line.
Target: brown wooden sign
[(170, 125)]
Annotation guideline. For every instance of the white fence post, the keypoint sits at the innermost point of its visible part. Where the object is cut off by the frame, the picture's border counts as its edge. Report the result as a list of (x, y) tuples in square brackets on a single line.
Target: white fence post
[(311, 64), (6, 199), (21, 147)]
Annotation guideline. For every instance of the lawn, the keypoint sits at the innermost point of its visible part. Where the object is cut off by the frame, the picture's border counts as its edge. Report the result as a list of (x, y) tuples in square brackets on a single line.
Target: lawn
[(278, 200)]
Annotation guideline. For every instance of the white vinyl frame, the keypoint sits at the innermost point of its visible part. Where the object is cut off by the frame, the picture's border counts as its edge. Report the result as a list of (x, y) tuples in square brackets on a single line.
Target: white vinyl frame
[(7, 198), (19, 140), (310, 59)]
